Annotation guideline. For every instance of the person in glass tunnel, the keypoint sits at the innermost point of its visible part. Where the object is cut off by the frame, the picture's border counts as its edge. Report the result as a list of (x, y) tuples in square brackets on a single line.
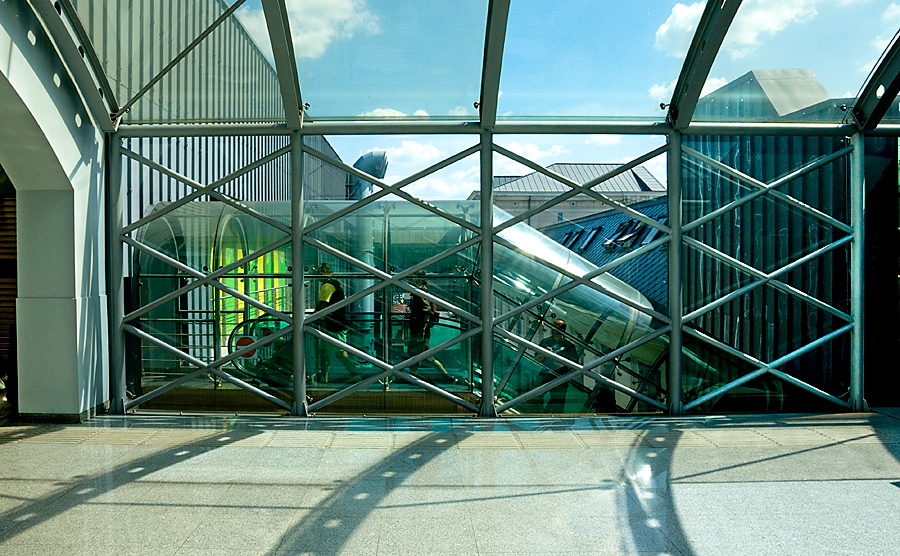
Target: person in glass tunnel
[(330, 293), (423, 315), (558, 344)]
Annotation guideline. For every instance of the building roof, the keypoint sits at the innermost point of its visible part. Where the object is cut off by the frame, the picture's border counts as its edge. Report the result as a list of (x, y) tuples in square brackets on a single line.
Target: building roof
[(766, 94), (606, 236), (638, 179)]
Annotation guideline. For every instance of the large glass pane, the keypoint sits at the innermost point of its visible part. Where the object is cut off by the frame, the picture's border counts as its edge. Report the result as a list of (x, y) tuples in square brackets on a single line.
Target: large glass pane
[(388, 59), (797, 61), (765, 159), (579, 58)]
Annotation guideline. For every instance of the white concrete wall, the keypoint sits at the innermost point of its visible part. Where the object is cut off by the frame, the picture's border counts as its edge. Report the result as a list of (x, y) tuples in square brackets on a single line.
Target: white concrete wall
[(53, 154)]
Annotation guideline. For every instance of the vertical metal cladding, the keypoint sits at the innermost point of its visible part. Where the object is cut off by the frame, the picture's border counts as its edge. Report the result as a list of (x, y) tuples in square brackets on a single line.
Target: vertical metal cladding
[(225, 78), (768, 234)]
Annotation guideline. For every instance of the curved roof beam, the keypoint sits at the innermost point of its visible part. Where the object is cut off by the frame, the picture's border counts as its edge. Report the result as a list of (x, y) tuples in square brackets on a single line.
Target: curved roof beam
[(279, 28), (871, 106), (78, 54), (225, 15), (494, 40), (711, 31)]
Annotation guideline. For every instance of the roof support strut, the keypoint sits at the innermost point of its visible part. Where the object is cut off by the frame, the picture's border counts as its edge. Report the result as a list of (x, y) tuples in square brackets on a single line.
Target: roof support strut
[(873, 104), (285, 62), (714, 24), (495, 38), (225, 15)]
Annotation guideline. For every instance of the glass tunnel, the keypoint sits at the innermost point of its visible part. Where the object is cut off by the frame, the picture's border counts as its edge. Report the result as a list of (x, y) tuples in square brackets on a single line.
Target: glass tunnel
[(600, 342)]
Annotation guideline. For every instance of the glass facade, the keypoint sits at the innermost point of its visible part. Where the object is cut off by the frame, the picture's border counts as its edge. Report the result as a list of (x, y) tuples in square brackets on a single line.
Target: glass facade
[(537, 219)]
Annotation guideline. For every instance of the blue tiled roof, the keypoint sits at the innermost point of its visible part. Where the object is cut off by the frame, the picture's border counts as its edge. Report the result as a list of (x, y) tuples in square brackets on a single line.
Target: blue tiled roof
[(648, 273)]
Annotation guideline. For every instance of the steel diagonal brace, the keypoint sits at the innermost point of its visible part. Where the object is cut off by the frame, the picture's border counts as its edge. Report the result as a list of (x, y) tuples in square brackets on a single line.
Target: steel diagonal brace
[(350, 349), (159, 391), (206, 368), (583, 188), (250, 388), (723, 346), (387, 189), (577, 369), (206, 278), (419, 357), (200, 190), (758, 274), (584, 281), (590, 192), (436, 390), (771, 368), (769, 277), (348, 390), (771, 188), (202, 365), (386, 279), (225, 15), (626, 390)]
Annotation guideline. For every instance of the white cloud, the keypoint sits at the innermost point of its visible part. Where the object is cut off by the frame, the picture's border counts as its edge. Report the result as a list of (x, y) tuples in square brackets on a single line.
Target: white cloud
[(507, 167), (657, 167), (880, 43), (315, 24), (603, 140), (663, 91), (712, 84), (533, 152), (412, 153), (892, 14), (389, 113), (764, 17), (383, 113), (458, 111), (755, 20), (866, 68), (445, 184), (674, 36), (254, 22), (435, 189)]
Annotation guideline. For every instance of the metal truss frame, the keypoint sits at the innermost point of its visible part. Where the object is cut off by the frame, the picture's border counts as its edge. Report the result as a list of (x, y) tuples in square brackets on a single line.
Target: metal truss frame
[(714, 24), (763, 278), (674, 323)]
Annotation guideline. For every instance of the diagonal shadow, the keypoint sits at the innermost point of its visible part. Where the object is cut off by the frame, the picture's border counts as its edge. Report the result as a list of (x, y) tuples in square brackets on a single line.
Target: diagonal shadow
[(85, 489), (326, 529), (646, 476)]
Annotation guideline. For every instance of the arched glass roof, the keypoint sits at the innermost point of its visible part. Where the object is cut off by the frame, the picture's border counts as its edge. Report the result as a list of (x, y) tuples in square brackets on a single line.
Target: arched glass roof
[(485, 60)]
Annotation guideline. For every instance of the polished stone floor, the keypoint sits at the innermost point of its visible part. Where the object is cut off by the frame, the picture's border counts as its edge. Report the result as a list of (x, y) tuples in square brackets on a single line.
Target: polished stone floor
[(213, 485)]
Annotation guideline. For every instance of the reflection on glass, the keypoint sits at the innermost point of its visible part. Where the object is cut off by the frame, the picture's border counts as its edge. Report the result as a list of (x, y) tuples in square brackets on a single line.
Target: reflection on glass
[(358, 317), (797, 63), (389, 59)]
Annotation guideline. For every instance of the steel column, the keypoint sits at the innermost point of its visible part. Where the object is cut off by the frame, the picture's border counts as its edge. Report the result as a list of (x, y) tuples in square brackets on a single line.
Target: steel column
[(298, 295), (116, 275), (487, 275), (857, 270), (675, 403)]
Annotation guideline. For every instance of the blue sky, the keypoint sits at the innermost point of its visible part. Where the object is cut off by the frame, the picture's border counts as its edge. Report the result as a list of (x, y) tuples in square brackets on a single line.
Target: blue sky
[(597, 58)]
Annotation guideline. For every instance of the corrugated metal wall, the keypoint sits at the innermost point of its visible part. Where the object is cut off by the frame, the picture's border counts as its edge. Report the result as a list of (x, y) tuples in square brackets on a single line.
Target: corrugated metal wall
[(768, 234), (8, 287), (225, 78)]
